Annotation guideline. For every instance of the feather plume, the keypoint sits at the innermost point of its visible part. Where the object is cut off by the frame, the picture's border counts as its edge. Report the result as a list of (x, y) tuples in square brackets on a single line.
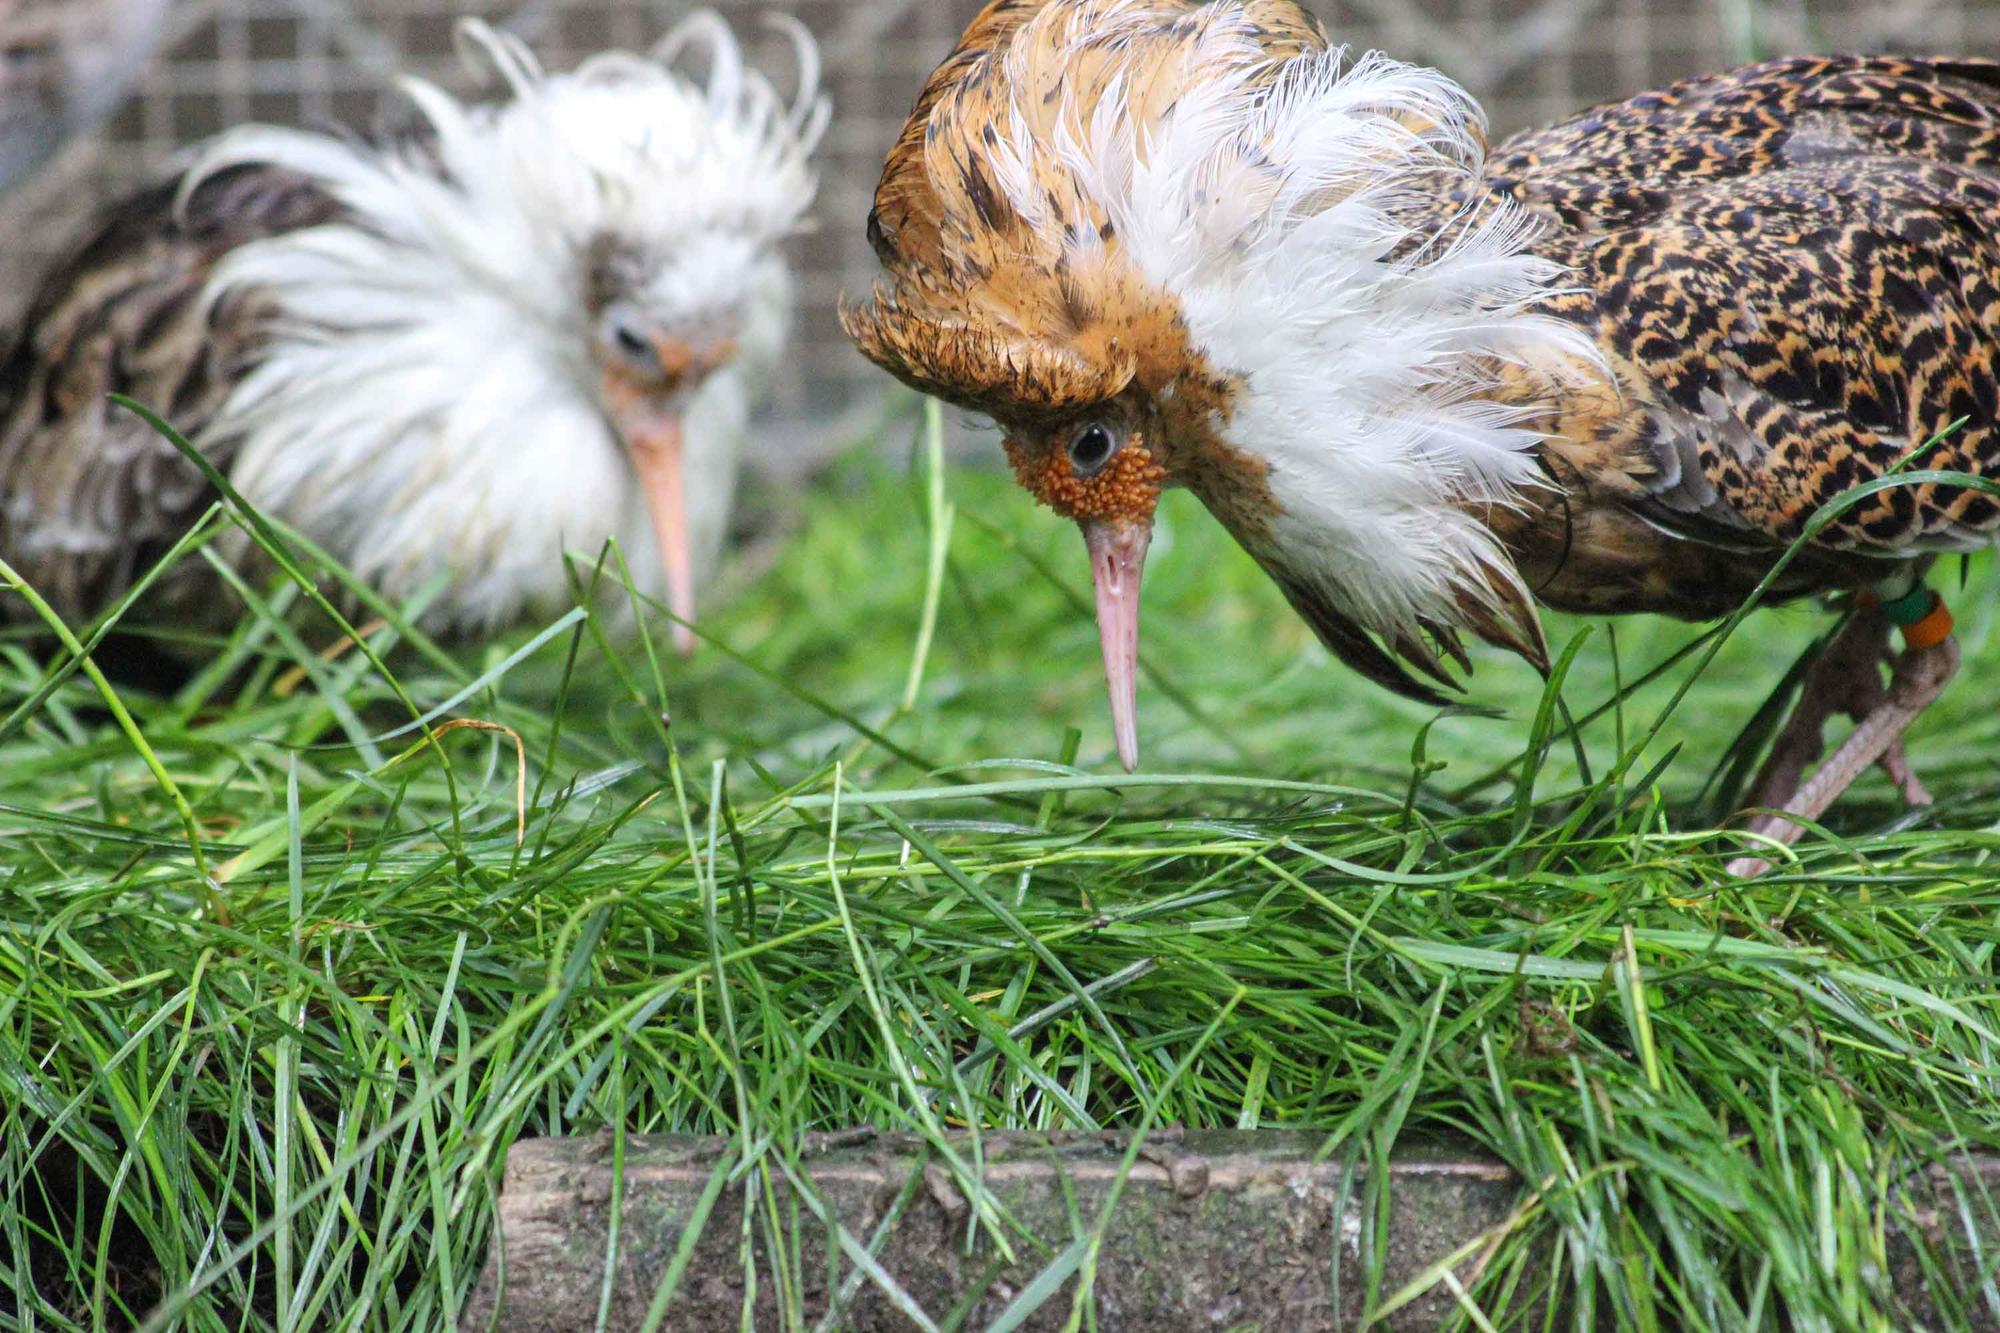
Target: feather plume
[(444, 310)]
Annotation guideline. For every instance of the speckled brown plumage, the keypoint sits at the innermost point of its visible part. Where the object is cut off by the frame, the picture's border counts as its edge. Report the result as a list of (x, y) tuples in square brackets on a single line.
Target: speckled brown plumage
[(1617, 365), (93, 495), (1795, 269)]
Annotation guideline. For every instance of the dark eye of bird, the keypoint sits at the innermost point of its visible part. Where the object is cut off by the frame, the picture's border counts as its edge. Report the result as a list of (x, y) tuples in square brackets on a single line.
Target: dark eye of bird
[(1091, 449), (630, 343)]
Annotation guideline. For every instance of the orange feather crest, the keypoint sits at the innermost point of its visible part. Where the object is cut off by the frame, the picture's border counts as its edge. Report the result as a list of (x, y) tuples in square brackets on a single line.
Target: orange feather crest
[(1002, 289)]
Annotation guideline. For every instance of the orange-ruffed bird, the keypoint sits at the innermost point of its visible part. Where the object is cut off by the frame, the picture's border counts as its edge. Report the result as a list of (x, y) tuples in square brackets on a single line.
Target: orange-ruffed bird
[(1611, 366)]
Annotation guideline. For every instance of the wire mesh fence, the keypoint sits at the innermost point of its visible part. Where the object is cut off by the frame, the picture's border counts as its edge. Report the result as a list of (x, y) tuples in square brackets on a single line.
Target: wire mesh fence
[(320, 62)]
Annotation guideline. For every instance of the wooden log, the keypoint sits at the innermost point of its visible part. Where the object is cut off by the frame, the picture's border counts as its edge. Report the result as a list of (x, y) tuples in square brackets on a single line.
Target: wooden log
[(1212, 1231)]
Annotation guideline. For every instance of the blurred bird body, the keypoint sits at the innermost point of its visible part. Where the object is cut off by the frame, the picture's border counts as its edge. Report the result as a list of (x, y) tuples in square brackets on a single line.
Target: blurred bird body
[(1611, 366), (536, 326)]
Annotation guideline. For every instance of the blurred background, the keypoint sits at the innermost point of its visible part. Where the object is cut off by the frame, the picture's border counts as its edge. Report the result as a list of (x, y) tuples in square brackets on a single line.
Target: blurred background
[(316, 62)]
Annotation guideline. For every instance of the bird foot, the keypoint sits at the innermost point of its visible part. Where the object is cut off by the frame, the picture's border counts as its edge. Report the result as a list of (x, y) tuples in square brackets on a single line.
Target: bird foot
[(1895, 761), (1847, 678)]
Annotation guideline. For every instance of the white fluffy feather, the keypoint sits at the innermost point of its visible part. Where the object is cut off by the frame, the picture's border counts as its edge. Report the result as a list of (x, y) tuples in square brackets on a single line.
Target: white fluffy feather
[(1277, 212), (427, 409)]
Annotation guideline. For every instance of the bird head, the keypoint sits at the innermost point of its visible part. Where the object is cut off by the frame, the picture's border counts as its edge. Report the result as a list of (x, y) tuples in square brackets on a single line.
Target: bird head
[(658, 328), (674, 195), (545, 298), (1173, 243)]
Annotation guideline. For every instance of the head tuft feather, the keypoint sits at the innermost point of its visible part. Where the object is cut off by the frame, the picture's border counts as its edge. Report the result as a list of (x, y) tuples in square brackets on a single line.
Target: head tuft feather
[(990, 215)]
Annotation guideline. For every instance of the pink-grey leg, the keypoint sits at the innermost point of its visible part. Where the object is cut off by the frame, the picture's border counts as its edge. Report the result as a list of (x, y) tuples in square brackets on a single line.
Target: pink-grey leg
[(1847, 678)]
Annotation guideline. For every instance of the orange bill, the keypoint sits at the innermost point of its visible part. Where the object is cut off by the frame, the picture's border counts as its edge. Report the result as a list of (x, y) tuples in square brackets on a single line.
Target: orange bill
[(655, 446)]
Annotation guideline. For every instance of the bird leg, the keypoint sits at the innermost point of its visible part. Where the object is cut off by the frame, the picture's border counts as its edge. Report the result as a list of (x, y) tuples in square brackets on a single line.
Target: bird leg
[(1844, 677), (1847, 678)]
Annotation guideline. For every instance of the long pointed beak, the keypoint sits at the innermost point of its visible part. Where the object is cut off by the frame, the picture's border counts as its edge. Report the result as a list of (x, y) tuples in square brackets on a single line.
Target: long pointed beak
[(1117, 558), (656, 456)]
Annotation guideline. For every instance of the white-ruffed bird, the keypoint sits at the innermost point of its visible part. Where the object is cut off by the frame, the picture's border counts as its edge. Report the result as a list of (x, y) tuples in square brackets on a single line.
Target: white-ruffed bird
[(530, 326)]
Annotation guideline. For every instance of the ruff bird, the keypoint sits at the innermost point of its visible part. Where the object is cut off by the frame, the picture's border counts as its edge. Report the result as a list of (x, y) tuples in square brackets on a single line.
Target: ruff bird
[(1612, 366), (529, 325)]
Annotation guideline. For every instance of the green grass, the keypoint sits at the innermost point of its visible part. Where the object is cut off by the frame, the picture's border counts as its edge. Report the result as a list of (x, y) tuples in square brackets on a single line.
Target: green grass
[(751, 894)]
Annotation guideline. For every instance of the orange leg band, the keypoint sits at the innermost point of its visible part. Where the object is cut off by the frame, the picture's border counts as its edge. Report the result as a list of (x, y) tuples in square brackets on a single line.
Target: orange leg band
[(1931, 630)]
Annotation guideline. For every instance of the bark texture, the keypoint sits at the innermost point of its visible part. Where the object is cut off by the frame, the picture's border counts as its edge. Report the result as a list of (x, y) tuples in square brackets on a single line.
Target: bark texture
[(1212, 1231)]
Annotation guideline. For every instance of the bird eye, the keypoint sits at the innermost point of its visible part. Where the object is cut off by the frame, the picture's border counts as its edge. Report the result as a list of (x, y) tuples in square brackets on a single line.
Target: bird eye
[(629, 342), (621, 333), (1092, 449)]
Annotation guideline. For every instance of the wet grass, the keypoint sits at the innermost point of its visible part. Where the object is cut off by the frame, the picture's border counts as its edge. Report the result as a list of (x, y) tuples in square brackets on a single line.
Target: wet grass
[(290, 956)]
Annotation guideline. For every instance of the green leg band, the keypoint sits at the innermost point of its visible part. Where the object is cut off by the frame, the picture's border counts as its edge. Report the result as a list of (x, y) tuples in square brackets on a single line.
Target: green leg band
[(1911, 607)]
